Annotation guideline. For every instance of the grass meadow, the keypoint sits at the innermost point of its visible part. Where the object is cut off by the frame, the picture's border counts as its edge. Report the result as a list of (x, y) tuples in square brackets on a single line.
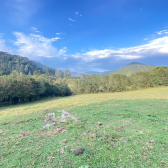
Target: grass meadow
[(134, 131)]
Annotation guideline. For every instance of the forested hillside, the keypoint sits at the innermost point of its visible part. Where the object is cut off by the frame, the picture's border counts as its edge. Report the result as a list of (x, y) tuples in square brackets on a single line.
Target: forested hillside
[(45, 68), (9, 63), (130, 69)]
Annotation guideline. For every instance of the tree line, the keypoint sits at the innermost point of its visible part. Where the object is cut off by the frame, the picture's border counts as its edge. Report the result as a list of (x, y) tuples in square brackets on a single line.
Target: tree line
[(19, 88), (116, 82)]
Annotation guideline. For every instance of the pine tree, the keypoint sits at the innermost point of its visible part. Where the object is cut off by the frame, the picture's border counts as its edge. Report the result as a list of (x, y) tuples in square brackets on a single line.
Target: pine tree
[(29, 73), (26, 70)]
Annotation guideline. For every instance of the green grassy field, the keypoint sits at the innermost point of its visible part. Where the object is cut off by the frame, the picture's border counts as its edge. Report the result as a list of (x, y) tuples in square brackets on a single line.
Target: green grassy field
[(134, 131)]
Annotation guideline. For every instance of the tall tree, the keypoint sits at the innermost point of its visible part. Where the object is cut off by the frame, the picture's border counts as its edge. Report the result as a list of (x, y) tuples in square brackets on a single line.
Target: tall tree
[(26, 70), (67, 74), (58, 73), (29, 73)]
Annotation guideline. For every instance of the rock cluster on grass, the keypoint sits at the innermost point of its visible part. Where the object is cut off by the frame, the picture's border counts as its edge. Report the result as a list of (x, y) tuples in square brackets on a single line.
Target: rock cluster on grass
[(65, 115), (49, 120)]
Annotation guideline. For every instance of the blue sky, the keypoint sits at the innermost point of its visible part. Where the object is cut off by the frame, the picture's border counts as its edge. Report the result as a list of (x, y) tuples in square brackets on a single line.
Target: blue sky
[(89, 35)]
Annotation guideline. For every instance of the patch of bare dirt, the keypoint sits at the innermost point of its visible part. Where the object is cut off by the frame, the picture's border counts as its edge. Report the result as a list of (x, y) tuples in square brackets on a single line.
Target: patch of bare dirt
[(25, 134), (57, 130)]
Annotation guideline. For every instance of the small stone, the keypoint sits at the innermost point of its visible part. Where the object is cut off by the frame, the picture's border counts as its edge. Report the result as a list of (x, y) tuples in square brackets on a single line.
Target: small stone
[(59, 111), (99, 123), (63, 121), (79, 151)]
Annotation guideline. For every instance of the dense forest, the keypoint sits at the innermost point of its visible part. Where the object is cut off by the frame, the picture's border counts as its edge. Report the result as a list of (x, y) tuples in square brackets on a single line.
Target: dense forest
[(18, 88), (9, 63)]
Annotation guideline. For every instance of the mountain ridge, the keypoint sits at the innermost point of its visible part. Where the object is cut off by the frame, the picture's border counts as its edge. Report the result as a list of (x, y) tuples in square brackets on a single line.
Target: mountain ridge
[(130, 69)]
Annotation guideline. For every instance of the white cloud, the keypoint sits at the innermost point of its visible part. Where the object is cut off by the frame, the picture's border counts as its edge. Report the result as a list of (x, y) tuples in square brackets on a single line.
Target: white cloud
[(155, 47), (71, 20), (60, 33), (33, 46), (35, 30), (77, 13), (146, 39), (162, 32)]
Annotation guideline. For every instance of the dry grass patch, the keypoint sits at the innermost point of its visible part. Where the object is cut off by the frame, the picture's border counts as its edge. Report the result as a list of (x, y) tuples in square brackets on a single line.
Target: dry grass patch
[(25, 134), (56, 131)]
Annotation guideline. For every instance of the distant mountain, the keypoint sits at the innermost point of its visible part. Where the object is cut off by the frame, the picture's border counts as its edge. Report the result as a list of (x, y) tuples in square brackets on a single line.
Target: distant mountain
[(45, 68), (132, 63), (76, 74), (130, 69), (92, 72)]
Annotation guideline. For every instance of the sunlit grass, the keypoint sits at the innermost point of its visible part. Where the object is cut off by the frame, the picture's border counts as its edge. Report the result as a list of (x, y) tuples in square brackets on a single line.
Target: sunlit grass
[(80, 100), (134, 131)]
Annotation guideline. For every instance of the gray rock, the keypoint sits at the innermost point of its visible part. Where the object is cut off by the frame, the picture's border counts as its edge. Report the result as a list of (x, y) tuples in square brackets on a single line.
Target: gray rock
[(78, 151), (49, 120)]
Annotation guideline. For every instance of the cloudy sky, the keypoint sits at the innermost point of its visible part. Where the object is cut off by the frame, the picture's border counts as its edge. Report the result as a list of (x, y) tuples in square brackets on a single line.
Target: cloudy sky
[(89, 35)]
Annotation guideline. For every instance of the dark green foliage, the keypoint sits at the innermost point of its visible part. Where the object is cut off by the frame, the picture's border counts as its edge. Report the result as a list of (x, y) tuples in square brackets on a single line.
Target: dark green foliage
[(45, 69), (67, 74), (117, 82), (58, 74), (37, 72), (18, 88), (10, 63)]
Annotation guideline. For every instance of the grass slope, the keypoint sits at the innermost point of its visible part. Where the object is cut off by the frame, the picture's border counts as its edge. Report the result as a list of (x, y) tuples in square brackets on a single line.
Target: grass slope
[(130, 69), (134, 131)]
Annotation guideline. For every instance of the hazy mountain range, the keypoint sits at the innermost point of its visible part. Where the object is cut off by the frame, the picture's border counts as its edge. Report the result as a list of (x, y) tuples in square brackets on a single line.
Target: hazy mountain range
[(128, 70), (10, 62)]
